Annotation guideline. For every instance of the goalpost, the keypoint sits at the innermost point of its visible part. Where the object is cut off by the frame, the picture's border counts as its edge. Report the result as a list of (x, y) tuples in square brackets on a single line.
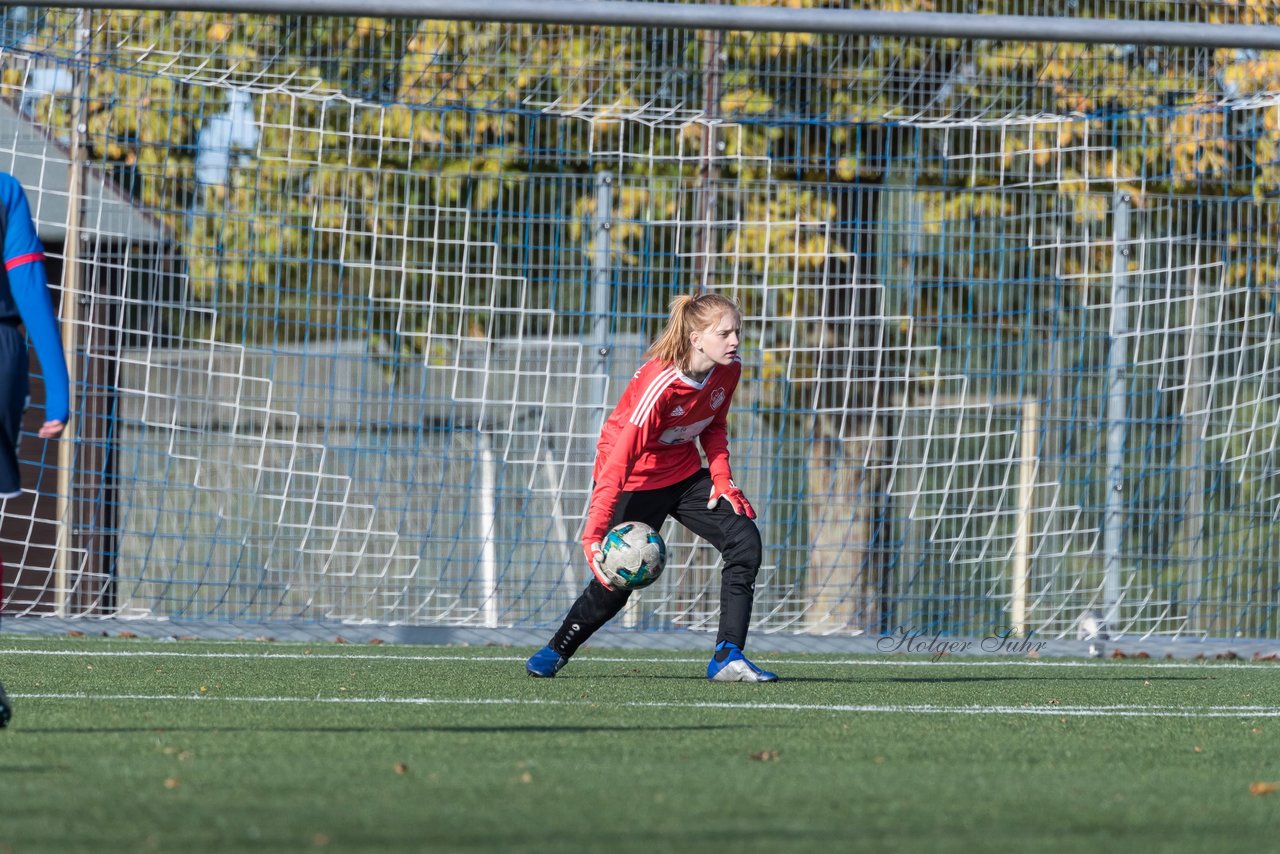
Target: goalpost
[(348, 297)]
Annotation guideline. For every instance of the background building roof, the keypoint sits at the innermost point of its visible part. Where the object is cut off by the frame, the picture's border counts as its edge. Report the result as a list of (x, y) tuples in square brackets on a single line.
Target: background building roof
[(42, 164)]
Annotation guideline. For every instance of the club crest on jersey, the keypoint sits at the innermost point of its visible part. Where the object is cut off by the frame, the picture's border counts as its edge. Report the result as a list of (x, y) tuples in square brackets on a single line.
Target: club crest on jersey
[(717, 398), (678, 411)]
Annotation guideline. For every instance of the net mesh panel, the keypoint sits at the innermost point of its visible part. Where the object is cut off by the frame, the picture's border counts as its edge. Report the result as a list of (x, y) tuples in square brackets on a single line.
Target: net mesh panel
[(357, 294)]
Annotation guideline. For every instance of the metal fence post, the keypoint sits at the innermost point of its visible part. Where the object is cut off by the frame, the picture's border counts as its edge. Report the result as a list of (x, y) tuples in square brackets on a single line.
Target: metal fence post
[(601, 298), (1114, 516)]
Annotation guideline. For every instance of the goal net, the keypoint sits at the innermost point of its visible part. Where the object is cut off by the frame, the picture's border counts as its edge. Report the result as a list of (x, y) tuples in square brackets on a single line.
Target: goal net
[(347, 300)]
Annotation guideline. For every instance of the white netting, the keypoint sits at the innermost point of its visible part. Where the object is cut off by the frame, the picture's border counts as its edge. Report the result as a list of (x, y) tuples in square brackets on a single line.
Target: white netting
[(359, 293)]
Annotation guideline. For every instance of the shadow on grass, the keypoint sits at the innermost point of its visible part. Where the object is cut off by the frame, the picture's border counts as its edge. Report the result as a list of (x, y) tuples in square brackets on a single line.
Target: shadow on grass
[(863, 678), (639, 674), (487, 730), (716, 838), (765, 688), (932, 680)]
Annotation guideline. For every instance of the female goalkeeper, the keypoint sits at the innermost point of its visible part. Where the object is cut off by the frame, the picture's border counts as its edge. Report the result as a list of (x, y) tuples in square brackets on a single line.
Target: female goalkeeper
[(648, 468)]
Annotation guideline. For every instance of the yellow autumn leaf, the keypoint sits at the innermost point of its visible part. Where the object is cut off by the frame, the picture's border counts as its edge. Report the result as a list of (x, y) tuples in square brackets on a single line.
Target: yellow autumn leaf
[(219, 31), (745, 101)]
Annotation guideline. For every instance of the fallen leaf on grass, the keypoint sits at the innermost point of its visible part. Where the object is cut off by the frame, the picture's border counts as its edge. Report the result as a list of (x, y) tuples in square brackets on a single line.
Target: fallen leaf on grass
[(401, 768), (765, 756), (1260, 788), (171, 783), (127, 634), (75, 634), (376, 641)]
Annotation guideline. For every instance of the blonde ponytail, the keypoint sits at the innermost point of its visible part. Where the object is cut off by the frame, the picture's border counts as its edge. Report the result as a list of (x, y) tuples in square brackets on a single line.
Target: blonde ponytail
[(689, 313)]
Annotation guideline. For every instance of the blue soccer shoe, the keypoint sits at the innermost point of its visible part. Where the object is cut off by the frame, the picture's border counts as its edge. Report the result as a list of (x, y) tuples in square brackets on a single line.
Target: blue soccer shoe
[(545, 663), (730, 665)]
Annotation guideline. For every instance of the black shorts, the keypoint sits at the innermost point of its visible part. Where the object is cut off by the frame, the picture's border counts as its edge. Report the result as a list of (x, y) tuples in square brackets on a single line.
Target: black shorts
[(686, 502), (15, 389)]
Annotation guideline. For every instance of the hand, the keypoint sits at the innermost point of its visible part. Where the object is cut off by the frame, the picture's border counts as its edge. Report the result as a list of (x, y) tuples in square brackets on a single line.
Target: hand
[(728, 490), (593, 555), (51, 429)]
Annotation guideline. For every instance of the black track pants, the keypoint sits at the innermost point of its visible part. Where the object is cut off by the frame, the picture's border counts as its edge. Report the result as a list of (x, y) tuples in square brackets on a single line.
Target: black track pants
[(735, 537)]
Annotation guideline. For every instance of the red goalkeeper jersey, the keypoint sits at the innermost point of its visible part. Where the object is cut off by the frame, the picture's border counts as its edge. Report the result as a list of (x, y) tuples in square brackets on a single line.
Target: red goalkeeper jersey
[(648, 440)]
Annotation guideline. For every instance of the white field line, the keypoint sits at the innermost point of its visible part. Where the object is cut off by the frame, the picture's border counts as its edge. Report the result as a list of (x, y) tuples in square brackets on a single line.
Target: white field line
[(588, 658), (1122, 711)]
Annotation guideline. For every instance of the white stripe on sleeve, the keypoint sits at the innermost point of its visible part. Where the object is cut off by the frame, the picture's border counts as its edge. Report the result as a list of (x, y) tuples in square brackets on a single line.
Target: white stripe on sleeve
[(651, 395)]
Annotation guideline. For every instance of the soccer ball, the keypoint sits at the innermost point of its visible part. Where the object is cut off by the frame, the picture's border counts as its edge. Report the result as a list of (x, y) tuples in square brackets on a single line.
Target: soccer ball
[(632, 556)]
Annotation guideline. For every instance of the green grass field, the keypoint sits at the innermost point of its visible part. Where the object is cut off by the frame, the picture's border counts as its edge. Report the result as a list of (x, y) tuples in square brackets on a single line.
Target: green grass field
[(186, 746)]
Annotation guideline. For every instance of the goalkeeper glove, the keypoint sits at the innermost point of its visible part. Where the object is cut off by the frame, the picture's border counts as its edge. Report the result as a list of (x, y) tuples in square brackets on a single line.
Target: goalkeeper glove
[(593, 555), (724, 487)]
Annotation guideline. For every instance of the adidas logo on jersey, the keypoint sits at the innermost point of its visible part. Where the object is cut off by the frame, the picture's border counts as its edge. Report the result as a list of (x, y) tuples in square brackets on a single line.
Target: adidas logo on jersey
[(677, 412)]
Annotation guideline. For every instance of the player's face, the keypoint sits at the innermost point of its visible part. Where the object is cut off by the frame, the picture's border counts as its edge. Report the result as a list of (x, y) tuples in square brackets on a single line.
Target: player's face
[(719, 341)]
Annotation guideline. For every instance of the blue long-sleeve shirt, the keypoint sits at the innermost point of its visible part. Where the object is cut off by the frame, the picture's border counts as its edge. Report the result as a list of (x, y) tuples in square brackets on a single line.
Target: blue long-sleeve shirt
[(24, 295)]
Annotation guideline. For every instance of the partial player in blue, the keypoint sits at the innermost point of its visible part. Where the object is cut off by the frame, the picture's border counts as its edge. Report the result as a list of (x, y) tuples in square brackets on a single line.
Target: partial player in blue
[(25, 302)]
